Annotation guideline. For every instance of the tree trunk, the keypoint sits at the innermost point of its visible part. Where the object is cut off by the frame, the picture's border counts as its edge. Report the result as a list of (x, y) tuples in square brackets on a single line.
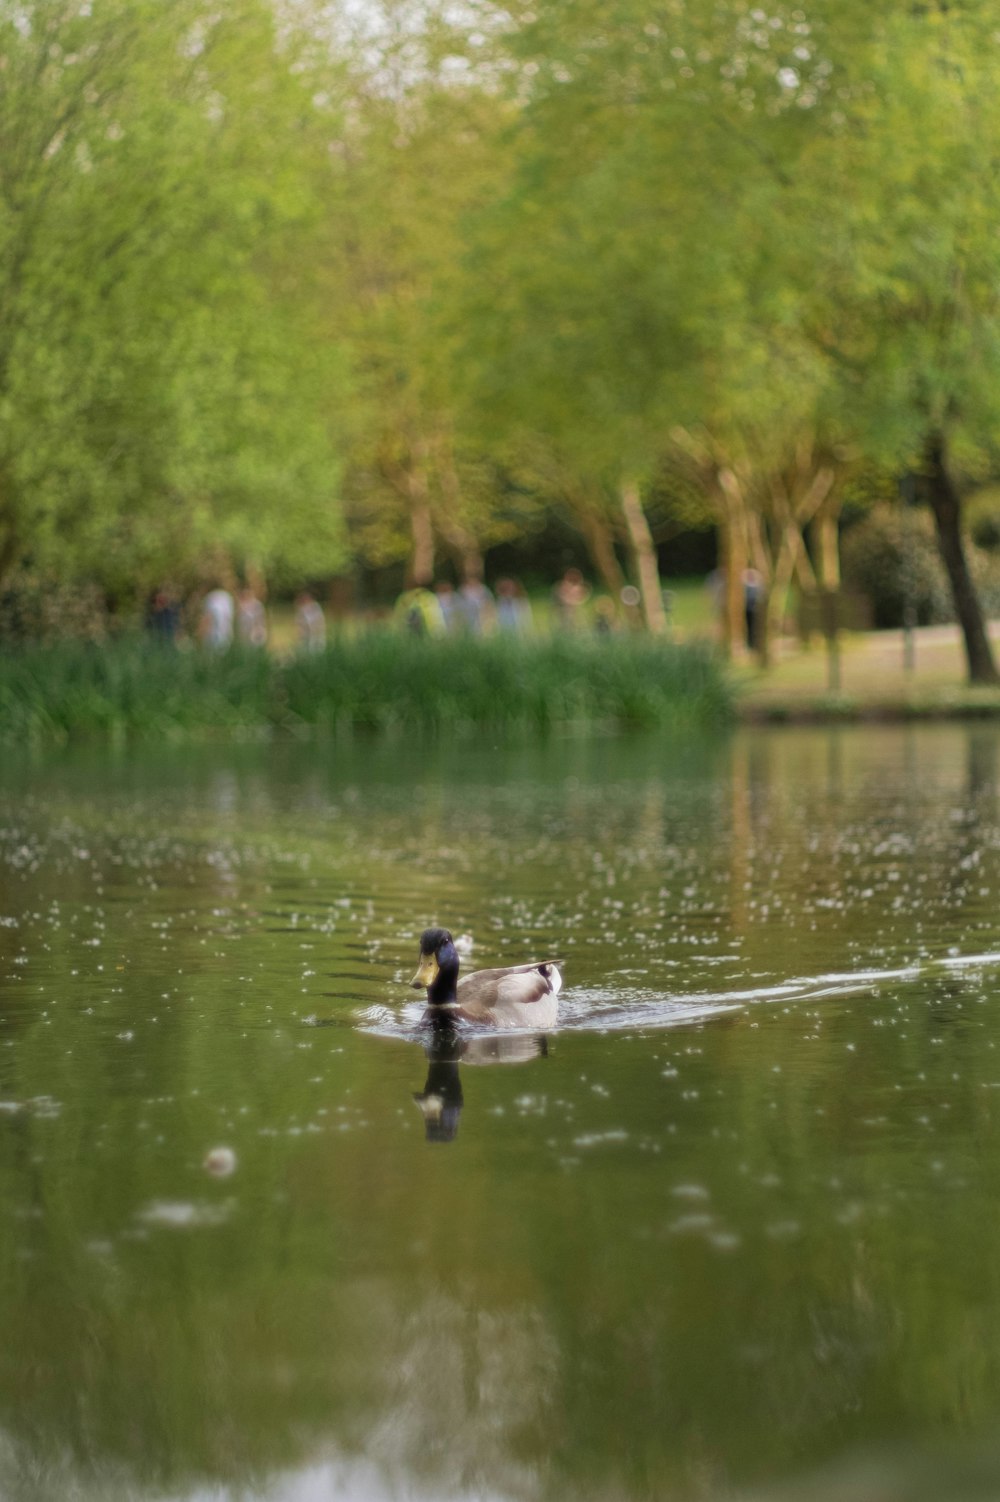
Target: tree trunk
[(735, 560), (781, 582), (760, 560), (803, 572), (645, 557), (828, 546), (466, 549), (458, 535), (797, 496), (947, 507), (421, 569), (601, 547)]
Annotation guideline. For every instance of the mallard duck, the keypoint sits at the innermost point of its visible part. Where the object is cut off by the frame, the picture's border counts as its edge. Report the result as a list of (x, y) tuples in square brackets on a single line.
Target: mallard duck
[(517, 996)]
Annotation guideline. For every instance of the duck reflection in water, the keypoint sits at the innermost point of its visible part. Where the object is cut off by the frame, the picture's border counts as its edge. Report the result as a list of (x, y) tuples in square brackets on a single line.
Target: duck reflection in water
[(441, 1099)]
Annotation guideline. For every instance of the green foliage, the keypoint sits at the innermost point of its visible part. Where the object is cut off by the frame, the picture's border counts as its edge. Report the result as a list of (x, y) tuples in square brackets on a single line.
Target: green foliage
[(889, 213), (377, 681), (162, 385), (639, 285)]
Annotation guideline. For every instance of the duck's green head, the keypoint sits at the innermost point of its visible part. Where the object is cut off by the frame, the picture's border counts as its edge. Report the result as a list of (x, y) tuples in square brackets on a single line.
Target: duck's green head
[(438, 960)]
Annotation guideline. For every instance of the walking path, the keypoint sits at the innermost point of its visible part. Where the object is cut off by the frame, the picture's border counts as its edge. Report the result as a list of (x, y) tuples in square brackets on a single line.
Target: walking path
[(874, 679)]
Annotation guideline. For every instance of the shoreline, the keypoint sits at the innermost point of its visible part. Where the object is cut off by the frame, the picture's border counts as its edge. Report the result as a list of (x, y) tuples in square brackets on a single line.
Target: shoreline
[(846, 710)]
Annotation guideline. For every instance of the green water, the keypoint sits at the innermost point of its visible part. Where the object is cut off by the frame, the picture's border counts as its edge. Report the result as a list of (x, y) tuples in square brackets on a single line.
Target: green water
[(731, 1232)]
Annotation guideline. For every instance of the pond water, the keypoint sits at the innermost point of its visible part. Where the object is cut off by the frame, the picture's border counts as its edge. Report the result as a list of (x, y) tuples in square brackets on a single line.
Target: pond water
[(732, 1230)]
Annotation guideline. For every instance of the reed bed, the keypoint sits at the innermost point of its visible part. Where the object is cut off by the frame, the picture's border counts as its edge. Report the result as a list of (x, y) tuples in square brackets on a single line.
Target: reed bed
[(379, 681)]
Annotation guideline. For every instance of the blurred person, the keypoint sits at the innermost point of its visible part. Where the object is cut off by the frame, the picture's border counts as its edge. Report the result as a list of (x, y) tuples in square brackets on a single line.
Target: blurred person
[(251, 618), (569, 596), (753, 590), (218, 611), (477, 604), (449, 605), (163, 618), (605, 616), (310, 622), (418, 611), (512, 609)]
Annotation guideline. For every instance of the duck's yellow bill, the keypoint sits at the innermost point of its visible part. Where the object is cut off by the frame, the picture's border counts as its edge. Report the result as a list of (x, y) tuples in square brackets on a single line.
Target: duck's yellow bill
[(427, 973)]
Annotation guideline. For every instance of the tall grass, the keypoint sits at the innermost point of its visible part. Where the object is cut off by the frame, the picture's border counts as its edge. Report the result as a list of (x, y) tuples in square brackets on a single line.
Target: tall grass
[(136, 689)]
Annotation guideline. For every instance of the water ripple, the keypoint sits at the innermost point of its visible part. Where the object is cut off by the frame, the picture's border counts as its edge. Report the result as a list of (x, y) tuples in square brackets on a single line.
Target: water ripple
[(604, 1009)]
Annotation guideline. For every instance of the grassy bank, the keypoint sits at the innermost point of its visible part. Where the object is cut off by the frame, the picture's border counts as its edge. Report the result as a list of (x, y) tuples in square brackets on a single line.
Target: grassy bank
[(133, 689), (881, 677)]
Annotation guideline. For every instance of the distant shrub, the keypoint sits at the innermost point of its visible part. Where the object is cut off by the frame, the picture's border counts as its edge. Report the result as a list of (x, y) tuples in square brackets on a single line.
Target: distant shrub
[(986, 575), (982, 516), (34, 608), (892, 556)]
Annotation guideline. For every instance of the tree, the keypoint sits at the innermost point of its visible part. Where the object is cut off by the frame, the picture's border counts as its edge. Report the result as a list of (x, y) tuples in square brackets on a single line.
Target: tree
[(638, 298), (162, 390), (900, 278), (417, 154)]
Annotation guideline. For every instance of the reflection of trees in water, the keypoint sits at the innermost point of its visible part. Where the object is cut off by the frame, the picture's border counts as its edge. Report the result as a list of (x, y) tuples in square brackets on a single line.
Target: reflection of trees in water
[(432, 1390), (469, 1399), (982, 758), (860, 833), (475, 1322), (236, 1349)]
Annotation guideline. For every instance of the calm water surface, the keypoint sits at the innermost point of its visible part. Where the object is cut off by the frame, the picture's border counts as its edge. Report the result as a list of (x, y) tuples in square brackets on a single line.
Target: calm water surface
[(732, 1231)]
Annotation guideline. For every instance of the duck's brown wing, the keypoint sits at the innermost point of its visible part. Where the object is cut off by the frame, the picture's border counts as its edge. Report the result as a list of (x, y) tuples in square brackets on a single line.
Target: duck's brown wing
[(480, 993)]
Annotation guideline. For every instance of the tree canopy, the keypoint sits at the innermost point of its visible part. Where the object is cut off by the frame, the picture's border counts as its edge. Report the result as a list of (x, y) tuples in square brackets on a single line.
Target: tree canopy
[(293, 284), (164, 387)]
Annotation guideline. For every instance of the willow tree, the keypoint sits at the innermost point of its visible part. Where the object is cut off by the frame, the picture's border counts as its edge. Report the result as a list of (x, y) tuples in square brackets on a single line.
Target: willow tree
[(710, 199), (889, 204), (162, 387), (417, 154), (568, 320), (634, 291)]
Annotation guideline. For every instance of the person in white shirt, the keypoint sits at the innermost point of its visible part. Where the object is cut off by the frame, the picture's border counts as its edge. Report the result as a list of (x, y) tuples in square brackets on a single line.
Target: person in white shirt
[(217, 617)]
